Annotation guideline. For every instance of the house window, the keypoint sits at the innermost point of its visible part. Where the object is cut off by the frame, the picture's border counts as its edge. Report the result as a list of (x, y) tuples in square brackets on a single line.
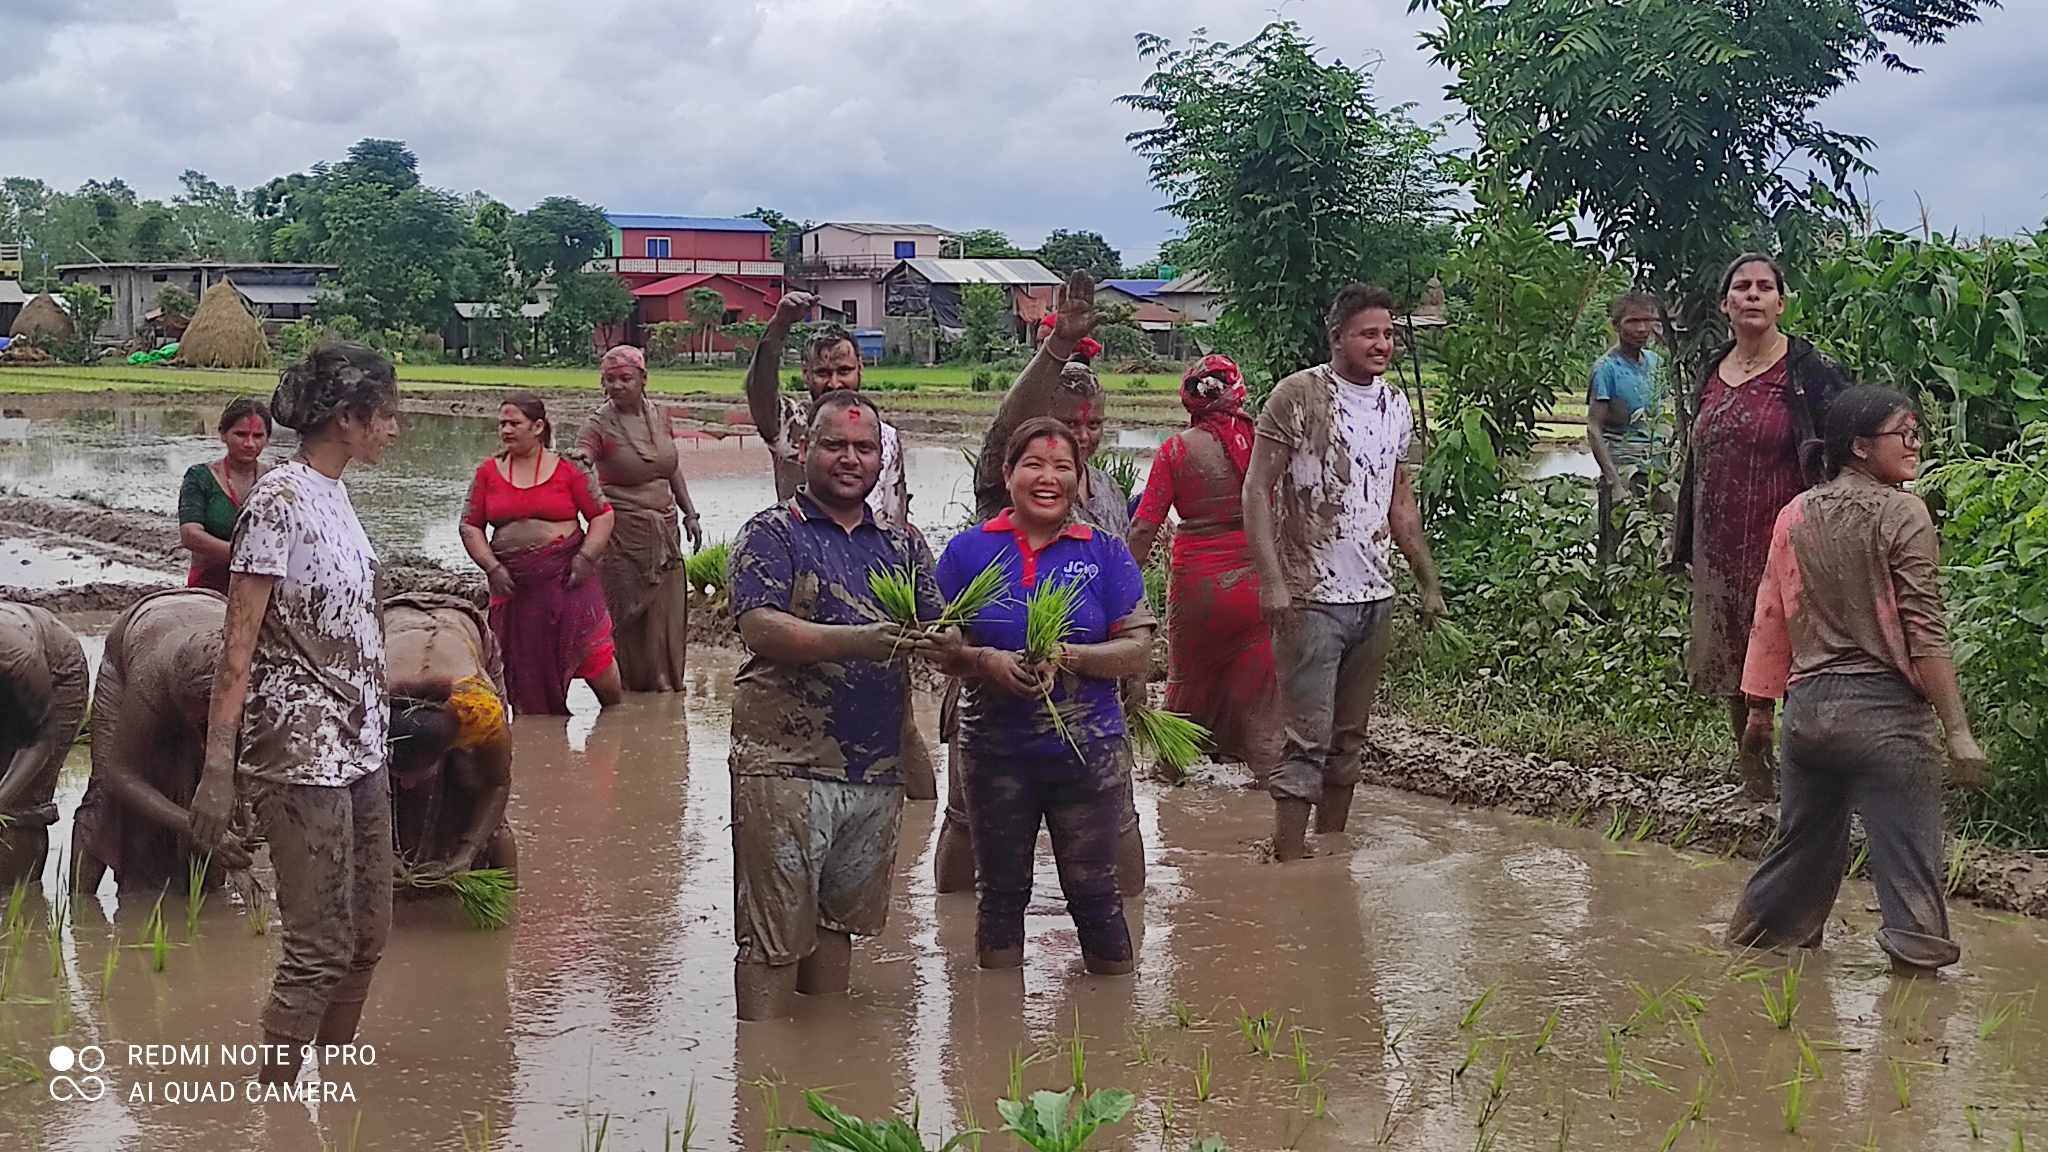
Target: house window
[(657, 247), (732, 316), (851, 310), (159, 277), (906, 249)]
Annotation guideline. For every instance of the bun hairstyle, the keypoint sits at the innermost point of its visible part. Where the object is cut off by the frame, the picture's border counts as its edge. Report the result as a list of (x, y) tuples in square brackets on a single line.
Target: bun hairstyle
[(535, 409), (1859, 411), (1038, 428), (336, 378), (240, 409)]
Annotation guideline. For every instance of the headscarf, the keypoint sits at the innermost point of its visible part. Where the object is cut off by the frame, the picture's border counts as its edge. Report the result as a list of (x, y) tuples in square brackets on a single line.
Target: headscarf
[(623, 356), (1089, 347), (1213, 393)]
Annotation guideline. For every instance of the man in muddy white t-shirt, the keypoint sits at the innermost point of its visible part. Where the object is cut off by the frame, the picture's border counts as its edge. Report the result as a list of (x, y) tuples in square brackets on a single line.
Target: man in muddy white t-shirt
[(1325, 494)]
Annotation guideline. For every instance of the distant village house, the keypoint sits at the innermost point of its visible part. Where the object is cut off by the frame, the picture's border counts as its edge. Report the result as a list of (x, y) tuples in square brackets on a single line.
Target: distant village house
[(276, 294), (843, 264)]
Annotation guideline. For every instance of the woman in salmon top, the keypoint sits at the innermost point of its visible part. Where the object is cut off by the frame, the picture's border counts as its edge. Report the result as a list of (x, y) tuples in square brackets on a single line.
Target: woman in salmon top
[(549, 524)]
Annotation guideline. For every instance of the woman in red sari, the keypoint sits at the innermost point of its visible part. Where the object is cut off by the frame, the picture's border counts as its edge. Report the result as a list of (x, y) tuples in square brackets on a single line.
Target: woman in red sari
[(1219, 653), (547, 607)]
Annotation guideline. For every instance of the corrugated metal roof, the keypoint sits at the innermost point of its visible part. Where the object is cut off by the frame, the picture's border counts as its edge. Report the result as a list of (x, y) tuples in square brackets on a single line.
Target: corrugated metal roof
[(687, 223), (859, 228), (673, 284), (1142, 289), (1029, 272), (275, 294), (1188, 283)]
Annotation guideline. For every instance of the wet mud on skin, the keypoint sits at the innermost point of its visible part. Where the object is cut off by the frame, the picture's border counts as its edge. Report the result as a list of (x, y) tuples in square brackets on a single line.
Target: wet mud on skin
[(610, 993)]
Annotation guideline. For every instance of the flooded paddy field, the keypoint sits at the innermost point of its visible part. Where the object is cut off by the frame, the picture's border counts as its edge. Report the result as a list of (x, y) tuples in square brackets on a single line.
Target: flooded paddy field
[(1440, 977)]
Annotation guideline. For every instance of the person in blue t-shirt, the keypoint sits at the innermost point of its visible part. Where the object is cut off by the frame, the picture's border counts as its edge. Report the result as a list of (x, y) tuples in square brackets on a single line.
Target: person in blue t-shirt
[(1624, 397), (1020, 767)]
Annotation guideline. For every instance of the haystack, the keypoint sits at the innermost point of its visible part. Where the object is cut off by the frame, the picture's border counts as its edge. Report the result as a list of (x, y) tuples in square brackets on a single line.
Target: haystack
[(222, 334), (42, 320)]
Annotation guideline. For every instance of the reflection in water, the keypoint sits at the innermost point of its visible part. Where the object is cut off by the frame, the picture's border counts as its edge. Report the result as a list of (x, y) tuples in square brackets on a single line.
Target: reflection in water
[(610, 993)]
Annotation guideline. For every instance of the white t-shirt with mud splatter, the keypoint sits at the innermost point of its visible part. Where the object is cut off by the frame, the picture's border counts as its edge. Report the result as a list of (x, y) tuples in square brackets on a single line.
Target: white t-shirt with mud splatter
[(315, 712), (1345, 441)]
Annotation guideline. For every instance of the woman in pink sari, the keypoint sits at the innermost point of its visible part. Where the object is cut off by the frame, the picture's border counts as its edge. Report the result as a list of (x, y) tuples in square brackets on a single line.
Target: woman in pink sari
[(547, 607), (1219, 653)]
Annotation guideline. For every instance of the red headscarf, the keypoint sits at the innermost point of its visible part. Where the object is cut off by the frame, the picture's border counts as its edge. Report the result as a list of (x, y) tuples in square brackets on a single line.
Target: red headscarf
[(1089, 346), (1213, 393)]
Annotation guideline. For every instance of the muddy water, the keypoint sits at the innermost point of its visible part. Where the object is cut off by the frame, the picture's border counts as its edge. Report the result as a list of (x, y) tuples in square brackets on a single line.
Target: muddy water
[(134, 457), (607, 1002), (40, 562)]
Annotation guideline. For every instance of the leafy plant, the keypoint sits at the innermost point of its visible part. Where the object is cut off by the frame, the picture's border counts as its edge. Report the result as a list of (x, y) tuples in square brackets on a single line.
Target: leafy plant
[(844, 1132), (1058, 1122)]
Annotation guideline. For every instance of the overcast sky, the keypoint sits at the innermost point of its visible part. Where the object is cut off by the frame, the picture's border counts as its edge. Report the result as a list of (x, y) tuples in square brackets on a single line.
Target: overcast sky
[(963, 113)]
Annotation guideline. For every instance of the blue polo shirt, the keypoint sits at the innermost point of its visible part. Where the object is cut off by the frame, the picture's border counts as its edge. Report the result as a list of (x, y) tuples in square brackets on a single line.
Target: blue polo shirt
[(829, 721), (995, 723)]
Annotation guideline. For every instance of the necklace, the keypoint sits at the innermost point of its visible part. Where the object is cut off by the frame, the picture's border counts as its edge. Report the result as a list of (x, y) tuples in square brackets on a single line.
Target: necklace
[(227, 475), (1749, 366)]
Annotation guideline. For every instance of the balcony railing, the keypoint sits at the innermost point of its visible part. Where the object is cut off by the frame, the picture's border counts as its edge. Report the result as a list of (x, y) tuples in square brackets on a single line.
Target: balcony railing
[(870, 267), (10, 260), (649, 265)]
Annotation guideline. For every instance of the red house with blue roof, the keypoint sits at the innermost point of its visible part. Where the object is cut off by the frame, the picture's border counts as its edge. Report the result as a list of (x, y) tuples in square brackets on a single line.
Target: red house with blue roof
[(663, 259)]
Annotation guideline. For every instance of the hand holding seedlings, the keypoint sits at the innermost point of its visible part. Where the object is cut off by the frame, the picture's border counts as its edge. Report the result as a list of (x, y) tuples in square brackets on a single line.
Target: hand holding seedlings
[(1007, 671)]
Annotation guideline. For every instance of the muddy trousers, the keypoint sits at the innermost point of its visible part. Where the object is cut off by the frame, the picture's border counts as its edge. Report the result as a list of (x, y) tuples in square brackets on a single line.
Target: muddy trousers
[(1329, 658), (1082, 806), (331, 849), (1864, 744)]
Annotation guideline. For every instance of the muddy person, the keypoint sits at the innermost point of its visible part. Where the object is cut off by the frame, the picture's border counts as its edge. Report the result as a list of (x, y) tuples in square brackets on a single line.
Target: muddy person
[(451, 750), (149, 744), (42, 701), (1058, 382), (818, 707), (628, 442), (298, 711), (1850, 632), (548, 524), (1047, 745), (1326, 490), (1624, 398), (832, 363), (1219, 652), (1752, 443), (212, 493)]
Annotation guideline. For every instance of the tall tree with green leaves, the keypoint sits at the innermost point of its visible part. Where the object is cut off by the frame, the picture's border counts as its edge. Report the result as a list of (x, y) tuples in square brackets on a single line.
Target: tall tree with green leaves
[(557, 236), (1685, 129), (985, 314), (1064, 252), (985, 244), (707, 312), (787, 241), (1292, 181)]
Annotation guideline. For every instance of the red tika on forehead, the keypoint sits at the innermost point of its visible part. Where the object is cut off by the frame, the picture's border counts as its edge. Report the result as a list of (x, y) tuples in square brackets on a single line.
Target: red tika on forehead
[(853, 414)]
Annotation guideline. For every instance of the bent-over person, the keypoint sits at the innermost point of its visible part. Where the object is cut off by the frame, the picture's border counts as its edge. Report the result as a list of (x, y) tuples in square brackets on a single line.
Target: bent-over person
[(148, 745), (451, 750), (817, 728), (42, 700)]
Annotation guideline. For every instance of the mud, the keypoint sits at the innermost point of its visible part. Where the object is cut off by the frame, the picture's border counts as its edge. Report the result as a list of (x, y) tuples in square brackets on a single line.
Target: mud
[(606, 1004)]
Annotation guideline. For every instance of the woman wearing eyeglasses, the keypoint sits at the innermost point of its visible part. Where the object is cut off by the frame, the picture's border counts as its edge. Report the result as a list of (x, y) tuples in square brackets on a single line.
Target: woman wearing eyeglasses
[(1850, 632), (1753, 445)]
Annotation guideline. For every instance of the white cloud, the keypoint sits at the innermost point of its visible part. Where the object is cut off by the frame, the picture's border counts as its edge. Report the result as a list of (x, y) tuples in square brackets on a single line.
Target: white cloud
[(967, 113)]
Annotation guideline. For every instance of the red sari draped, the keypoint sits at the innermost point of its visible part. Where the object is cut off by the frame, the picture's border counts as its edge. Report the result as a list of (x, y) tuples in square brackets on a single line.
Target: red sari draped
[(548, 632)]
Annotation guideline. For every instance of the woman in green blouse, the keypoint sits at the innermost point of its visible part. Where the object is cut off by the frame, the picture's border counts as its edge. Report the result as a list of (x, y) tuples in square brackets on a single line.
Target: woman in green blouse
[(212, 494)]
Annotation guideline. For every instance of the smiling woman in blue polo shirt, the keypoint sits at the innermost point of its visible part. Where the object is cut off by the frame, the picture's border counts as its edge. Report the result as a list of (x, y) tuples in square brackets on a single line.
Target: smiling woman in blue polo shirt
[(1019, 769)]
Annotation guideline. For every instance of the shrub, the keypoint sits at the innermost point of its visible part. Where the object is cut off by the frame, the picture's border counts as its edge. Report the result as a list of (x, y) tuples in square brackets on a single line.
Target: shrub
[(982, 381)]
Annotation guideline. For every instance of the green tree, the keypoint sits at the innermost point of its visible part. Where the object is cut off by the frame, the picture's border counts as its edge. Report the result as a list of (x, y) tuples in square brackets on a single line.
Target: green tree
[(557, 236), (584, 302), (1291, 179), (89, 310), (985, 313), (1176, 257), (706, 311), (986, 244), (787, 241), (1680, 127), (153, 234), (213, 222), (1065, 251)]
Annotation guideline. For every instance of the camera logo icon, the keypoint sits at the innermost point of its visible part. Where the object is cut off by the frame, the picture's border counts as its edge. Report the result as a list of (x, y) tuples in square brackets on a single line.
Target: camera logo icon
[(88, 1085)]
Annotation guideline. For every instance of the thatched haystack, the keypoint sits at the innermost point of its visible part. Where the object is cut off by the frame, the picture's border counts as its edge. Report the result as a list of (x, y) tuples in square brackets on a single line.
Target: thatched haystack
[(222, 334), (43, 320)]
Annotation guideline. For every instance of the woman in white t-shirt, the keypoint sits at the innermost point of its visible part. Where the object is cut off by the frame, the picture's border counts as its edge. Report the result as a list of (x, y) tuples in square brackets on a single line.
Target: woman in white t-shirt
[(301, 684)]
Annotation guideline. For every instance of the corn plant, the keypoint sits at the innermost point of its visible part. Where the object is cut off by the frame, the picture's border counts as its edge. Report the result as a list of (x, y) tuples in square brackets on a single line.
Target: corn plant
[(1061, 1122), (844, 1132)]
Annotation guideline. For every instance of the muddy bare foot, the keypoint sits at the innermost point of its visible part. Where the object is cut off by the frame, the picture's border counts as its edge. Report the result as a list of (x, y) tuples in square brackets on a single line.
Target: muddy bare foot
[(1290, 829), (1001, 957), (1335, 810)]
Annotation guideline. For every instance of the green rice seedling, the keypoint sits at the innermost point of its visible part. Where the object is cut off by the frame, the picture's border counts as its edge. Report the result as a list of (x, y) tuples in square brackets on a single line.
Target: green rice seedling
[(1973, 1118), (107, 967), (1183, 1015), (1472, 1052), (1018, 1063), (1062, 1121), (1687, 1002), (1496, 1090), (1686, 831), (1702, 1092), (690, 1118), (1544, 1033), (155, 937), (1611, 1056), (1077, 1053), (1260, 1032), (771, 1104), (1809, 1059), (1393, 1040), (1048, 621), (1390, 1124), (1793, 1110), (1211, 1143), (1856, 862), (1691, 1026), (1643, 827), (1564, 1129), (1650, 1009), (1902, 1082), (592, 1141), (2000, 1011), (708, 569), (56, 918), (1617, 825), (1672, 1134), (845, 1132), (1304, 1068), (1141, 1042), (195, 891), (2019, 1135), (1205, 1074), (895, 590), (485, 893), (1958, 864), (480, 1138), (1172, 739), (1781, 1003), (1122, 468), (1319, 1101), (1577, 817), (21, 1070), (1870, 1138), (1478, 1007)]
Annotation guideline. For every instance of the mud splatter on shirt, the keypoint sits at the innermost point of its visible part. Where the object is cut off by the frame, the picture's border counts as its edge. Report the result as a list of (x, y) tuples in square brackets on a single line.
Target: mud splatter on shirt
[(891, 498), (316, 712), (1345, 442), (829, 721)]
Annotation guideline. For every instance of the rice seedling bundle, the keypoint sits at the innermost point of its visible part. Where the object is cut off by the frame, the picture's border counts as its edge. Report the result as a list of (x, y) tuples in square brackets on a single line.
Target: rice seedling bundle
[(1172, 738), (485, 893), (706, 569), (1048, 621), (895, 589)]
